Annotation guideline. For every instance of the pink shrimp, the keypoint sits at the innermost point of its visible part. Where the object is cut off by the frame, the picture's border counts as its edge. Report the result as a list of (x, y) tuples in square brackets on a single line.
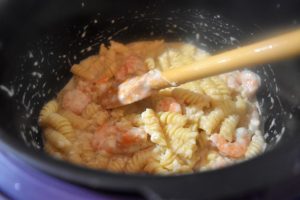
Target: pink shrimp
[(246, 81), (168, 104), (75, 101), (233, 80), (114, 138), (250, 82), (133, 65), (235, 149), (104, 87), (84, 86)]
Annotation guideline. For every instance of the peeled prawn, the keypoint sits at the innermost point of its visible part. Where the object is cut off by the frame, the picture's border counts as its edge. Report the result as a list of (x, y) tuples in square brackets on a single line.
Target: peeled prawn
[(75, 101), (246, 81), (235, 149), (84, 86), (114, 138), (133, 65), (168, 104)]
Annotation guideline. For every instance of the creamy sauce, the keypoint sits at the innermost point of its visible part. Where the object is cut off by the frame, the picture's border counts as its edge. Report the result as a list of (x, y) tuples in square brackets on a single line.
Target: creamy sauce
[(140, 87)]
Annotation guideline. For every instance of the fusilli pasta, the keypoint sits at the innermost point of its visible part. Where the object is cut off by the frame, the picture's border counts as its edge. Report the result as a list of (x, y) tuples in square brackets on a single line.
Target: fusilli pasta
[(48, 108), (211, 121), (228, 127), (190, 97), (153, 128)]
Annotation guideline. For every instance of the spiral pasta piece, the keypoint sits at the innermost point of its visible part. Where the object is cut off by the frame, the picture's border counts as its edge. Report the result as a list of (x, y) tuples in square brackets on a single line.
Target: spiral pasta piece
[(48, 108), (76, 120), (56, 153), (210, 122), (98, 162), (241, 106), (150, 63), (230, 107), (85, 68), (190, 97), (229, 126), (172, 118), (256, 146), (87, 152), (100, 117), (193, 86), (58, 140), (172, 163), (154, 167), (182, 140), (216, 88), (153, 128), (90, 110), (227, 106), (194, 115), (117, 163), (188, 50), (138, 161), (59, 123)]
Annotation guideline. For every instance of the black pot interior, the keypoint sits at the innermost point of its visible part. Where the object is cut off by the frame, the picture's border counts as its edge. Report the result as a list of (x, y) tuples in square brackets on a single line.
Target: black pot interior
[(39, 50)]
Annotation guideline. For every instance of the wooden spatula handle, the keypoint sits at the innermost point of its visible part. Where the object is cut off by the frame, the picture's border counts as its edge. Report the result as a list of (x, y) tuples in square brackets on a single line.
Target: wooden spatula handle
[(272, 49)]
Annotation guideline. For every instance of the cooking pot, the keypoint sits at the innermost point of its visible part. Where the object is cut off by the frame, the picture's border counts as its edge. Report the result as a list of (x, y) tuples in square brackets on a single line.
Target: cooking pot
[(40, 40)]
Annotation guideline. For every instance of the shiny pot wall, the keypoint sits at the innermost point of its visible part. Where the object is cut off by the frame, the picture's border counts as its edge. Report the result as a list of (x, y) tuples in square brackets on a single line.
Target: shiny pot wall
[(40, 40)]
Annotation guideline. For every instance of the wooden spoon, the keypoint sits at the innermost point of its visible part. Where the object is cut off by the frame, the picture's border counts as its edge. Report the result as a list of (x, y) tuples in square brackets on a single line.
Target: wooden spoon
[(272, 49)]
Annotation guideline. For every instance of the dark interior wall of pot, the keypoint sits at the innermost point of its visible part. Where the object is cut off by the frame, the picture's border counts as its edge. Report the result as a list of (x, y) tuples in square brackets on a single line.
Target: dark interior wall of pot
[(39, 40)]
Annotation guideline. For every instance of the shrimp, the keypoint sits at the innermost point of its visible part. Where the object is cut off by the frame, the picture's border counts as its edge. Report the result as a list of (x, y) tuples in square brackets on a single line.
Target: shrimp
[(133, 65), (104, 87), (235, 149), (250, 83), (115, 138), (168, 104), (245, 81), (233, 80), (84, 86), (75, 101)]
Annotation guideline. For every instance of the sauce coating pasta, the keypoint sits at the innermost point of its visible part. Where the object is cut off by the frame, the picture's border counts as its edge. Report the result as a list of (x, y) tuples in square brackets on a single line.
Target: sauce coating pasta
[(204, 124)]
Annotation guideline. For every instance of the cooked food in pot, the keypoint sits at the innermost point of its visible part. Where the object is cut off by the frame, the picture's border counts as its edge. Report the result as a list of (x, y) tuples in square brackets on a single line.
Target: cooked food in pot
[(200, 125)]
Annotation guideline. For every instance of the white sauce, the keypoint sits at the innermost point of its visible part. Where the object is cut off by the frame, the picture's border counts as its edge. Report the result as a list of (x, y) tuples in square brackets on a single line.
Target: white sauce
[(9, 91)]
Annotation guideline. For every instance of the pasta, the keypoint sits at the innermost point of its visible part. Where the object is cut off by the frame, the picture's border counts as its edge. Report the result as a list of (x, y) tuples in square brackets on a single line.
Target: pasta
[(49, 108), (201, 125), (84, 69), (59, 123), (75, 120), (193, 86), (229, 126), (182, 140), (117, 163), (256, 146), (138, 161), (153, 128), (153, 166), (90, 110), (211, 121), (172, 163), (194, 115), (190, 97), (57, 139), (172, 118), (216, 88), (53, 151)]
